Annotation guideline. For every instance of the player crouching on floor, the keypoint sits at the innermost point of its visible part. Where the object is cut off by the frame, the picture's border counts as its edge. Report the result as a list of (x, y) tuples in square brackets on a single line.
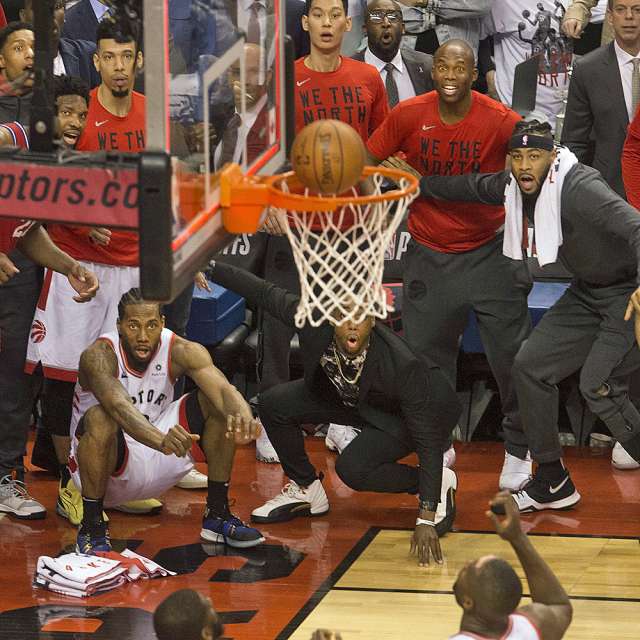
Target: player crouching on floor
[(130, 441)]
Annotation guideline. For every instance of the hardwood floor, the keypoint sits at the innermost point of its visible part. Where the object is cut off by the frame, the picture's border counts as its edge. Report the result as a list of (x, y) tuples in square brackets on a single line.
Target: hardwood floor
[(350, 568)]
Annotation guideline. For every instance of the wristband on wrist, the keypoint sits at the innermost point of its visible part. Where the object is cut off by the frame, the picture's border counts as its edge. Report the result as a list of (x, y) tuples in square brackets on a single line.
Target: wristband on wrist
[(431, 523)]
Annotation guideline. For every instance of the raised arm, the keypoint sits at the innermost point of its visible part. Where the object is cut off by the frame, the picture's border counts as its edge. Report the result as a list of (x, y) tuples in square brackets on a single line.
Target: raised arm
[(98, 373), (577, 17), (487, 188), (258, 292), (452, 9), (551, 610)]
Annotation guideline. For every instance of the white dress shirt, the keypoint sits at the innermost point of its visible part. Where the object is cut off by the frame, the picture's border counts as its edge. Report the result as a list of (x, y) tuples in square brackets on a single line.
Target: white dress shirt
[(98, 8), (244, 13), (58, 66), (400, 73), (625, 64)]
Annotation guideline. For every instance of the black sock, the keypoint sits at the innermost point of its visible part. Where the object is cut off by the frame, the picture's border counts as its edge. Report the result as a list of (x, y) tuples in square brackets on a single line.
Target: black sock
[(92, 513), (65, 475), (551, 470), (217, 500)]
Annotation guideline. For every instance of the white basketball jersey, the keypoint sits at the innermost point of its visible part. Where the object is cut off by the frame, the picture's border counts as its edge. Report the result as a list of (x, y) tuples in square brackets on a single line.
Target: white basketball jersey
[(520, 628), (151, 391)]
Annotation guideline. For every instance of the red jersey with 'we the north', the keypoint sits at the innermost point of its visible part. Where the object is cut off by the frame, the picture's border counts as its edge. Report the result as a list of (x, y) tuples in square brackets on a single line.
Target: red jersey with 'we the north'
[(353, 93), (106, 132), (476, 144)]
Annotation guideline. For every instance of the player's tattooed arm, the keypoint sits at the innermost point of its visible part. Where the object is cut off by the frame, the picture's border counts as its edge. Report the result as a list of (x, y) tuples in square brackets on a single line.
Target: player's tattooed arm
[(192, 359), (98, 373)]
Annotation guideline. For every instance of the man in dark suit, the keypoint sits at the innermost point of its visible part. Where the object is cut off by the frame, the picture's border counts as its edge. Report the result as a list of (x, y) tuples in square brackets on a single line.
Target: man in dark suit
[(81, 21), (599, 106), (74, 57), (254, 131), (359, 374), (405, 72)]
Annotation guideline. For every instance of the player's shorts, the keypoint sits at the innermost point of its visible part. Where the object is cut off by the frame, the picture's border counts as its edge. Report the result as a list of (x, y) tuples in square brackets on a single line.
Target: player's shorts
[(143, 472), (62, 328)]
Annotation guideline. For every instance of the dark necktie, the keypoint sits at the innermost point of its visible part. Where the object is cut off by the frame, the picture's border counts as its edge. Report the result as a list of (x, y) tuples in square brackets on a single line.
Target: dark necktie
[(391, 86), (253, 26)]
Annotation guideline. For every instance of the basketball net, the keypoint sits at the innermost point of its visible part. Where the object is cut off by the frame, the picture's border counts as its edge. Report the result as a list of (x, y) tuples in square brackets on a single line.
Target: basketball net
[(340, 251)]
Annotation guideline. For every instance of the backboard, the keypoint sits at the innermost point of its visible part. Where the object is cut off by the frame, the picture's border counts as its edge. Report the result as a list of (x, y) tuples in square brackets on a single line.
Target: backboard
[(213, 97)]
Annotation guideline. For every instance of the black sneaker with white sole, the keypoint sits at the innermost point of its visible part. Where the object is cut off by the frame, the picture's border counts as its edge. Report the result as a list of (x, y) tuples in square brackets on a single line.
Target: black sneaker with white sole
[(539, 494)]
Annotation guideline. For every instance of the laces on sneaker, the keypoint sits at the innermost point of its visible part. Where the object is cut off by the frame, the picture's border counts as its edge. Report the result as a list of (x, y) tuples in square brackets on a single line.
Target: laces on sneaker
[(291, 489), (11, 488)]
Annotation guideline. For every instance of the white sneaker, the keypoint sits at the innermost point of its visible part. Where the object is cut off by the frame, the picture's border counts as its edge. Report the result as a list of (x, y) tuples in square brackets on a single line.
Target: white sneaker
[(449, 458), (15, 499), (194, 480), (293, 501), (340, 436), (264, 449), (515, 472), (620, 459), (446, 511)]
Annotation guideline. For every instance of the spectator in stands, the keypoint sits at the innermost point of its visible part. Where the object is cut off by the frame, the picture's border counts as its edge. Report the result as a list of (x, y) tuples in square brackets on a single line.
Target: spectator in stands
[(187, 615), (74, 57), (195, 32), (357, 373), (20, 295), (81, 20), (254, 132), (17, 301), (317, 74), (577, 18), (454, 262), (488, 590), (522, 29), (601, 102), (580, 221), (256, 19), (405, 72), (16, 63), (436, 21)]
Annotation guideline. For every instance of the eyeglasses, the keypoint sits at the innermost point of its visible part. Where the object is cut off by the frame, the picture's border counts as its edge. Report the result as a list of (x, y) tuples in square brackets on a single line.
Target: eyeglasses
[(621, 10), (391, 16)]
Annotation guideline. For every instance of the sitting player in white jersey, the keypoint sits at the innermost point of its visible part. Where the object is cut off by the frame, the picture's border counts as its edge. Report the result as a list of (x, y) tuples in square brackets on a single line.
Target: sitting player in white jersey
[(489, 590), (130, 441)]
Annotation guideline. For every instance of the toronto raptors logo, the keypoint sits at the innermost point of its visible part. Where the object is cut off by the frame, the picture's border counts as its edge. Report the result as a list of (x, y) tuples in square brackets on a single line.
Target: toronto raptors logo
[(38, 331)]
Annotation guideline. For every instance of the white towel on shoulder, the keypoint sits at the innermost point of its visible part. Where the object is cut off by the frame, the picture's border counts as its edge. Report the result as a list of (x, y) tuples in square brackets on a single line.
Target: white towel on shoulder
[(546, 219)]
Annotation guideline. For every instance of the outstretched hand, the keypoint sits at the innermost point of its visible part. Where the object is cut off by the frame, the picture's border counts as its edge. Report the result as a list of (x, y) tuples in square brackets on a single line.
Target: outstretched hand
[(633, 309), (84, 282), (242, 428), (425, 542), (395, 162)]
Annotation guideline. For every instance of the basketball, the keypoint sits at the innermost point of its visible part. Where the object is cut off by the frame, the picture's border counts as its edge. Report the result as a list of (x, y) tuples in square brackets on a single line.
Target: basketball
[(328, 156)]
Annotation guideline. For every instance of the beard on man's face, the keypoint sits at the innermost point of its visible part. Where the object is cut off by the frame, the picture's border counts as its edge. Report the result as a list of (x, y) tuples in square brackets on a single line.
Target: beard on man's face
[(120, 93)]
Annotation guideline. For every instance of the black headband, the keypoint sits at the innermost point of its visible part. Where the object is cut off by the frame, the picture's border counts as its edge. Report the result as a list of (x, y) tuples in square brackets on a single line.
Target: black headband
[(530, 141)]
